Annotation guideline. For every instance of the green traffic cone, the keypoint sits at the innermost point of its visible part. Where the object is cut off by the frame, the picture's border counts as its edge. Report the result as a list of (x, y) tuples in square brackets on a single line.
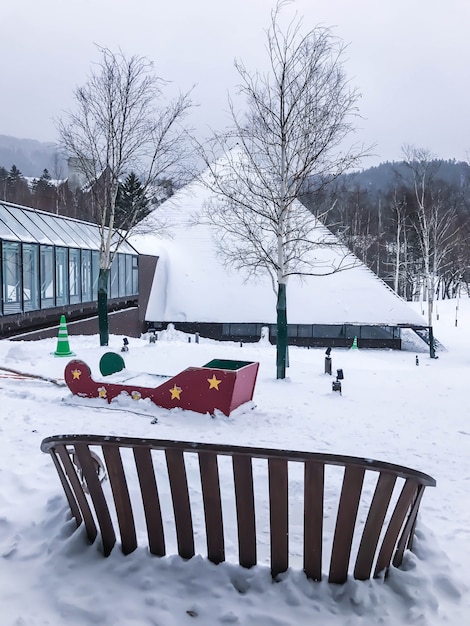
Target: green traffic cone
[(63, 347), (354, 345)]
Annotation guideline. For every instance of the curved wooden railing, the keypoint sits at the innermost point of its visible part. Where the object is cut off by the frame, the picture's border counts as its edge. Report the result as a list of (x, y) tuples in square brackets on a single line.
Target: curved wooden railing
[(382, 536)]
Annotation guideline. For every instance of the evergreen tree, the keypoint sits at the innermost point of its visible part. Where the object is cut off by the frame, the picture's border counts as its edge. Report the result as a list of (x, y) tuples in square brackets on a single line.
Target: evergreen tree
[(131, 203), (3, 183), (17, 188), (44, 193)]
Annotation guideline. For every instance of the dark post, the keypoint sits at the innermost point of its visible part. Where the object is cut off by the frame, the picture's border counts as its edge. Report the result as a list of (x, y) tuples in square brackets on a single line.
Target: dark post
[(328, 361), (281, 343), (432, 349), (103, 324)]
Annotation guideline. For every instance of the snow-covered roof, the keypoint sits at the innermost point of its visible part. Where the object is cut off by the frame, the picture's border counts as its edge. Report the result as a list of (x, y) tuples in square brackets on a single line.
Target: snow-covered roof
[(191, 283)]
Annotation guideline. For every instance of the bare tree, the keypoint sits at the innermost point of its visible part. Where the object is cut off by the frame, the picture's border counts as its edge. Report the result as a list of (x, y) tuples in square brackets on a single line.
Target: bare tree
[(435, 224), (298, 116), (121, 124)]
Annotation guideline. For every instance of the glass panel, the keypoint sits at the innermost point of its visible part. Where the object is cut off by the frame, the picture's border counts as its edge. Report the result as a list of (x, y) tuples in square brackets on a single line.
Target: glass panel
[(30, 276), (62, 276), (47, 276), (16, 225), (135, 275), (5, 232), (352, 331), (292, 330), (128, 285), (27, 219), (58, 236), (90, 234), (12, 287), (114, 274), (304, 330), (377, 332), (95, 268), (41, 227), (327, 330), (86, 276), (74, 275), (70, 232), (122, 274)]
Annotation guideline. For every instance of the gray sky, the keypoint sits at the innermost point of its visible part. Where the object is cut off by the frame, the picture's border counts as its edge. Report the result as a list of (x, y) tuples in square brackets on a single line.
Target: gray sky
[(408, 58)]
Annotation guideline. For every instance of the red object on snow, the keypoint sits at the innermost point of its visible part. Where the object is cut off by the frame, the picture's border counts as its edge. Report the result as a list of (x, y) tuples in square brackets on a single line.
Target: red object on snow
[(219, 385)]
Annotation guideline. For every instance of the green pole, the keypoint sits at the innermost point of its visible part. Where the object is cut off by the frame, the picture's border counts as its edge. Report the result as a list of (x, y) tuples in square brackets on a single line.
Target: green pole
[(281, 344), (432, 349), (103, 324)]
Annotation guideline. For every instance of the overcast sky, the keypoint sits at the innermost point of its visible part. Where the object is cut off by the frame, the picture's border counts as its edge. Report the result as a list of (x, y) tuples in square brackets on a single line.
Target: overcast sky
[(410, 60)]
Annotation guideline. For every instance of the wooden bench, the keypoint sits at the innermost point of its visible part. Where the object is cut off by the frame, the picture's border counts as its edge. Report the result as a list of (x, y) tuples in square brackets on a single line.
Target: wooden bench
[(369, 506)]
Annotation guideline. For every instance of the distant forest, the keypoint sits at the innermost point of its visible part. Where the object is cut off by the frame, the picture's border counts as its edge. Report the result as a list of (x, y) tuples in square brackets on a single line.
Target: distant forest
[(57, 196), (45, 194), (409, 222)]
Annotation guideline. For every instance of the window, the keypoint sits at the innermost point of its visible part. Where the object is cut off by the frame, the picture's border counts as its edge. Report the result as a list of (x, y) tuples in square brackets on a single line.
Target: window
[(122, 274), (86, 276), (12, 282), (135, 275), (128, 285), (113, 286), (95, 271), (74, 275), (30, 277), (47, 276), (62, 276)]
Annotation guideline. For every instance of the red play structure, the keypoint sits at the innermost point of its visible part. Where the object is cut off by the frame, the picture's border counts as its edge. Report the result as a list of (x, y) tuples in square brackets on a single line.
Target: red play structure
[(220, 385)]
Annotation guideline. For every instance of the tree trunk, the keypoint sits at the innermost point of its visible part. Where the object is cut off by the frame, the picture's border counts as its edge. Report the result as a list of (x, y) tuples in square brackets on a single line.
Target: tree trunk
[(103, 324), (281, 344)]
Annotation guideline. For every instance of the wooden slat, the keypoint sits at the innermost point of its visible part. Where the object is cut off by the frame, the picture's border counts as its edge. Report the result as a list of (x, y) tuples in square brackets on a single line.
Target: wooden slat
[(314, 481), (373, 526), (388, 544), (278, 515), (181, 503), (150, 500), (79, 493), (406, 536), (108, 536), (122, 501), (245, 503), (209, 471), (345, 522), (74, 508)]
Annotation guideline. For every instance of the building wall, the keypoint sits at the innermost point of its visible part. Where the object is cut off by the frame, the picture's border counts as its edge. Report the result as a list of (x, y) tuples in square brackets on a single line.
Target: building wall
[(126, 315)]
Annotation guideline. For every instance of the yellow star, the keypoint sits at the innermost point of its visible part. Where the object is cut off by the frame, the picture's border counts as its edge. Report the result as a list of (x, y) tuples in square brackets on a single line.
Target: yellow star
[(214, 383), (76, 374), (102, 392), (175, 392)]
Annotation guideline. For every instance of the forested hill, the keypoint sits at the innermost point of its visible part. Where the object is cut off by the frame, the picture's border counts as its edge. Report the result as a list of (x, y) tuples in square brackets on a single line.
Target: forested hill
[(384, 176), (31, 157)]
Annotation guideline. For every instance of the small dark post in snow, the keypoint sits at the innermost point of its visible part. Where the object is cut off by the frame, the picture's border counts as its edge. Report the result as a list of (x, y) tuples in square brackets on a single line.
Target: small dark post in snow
[(125, 347), (417, 360), (328, 361), (189, 339), (336, 384), (196, 337)]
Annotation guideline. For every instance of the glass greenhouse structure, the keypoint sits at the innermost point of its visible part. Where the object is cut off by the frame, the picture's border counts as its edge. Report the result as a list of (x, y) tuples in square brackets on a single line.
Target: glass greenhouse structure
[(51, 261)]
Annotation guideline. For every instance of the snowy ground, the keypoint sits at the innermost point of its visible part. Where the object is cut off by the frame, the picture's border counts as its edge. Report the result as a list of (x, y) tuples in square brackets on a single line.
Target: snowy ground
[(390, 410)]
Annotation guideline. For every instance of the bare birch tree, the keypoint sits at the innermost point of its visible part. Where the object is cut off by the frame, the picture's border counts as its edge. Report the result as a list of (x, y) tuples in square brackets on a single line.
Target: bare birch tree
[(121, 123), (435, 224), (297, 117)]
